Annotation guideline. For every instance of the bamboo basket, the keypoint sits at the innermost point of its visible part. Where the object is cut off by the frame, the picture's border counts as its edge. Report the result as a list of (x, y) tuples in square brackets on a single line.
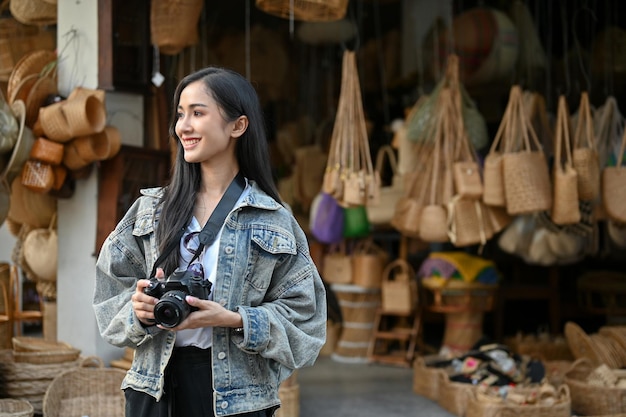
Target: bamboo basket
[(10, 407), (478, 406), (590, 399), (40, 351), (305, 10), (89, 389), (289, 394), (426, 380), (454, 396)]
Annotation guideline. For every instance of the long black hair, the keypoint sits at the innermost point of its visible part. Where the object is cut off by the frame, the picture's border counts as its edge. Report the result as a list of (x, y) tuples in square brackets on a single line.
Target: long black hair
[(235, 96)]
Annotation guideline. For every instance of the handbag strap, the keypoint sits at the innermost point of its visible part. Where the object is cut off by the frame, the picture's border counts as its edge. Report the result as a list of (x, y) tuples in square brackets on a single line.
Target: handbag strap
[(584, 127), (562, 135), (386, 150), (211, 228)]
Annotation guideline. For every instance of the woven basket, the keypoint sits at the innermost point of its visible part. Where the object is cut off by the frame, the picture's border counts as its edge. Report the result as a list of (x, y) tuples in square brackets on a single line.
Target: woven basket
[(454, 396), (590, 399), (305, 10), (86, 390), (31, 63), (33, 12), (290, 401), (174, 24), (479, 407), (426, 379), (39, 351), (10, 407), (545, 347)]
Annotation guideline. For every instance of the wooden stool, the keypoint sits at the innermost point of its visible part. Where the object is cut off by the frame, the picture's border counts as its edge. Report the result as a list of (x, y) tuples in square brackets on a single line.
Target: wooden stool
[(12, 296)]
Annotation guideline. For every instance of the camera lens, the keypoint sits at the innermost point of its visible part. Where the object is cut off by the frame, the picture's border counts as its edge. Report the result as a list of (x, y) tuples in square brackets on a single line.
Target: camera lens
[(171, 309)]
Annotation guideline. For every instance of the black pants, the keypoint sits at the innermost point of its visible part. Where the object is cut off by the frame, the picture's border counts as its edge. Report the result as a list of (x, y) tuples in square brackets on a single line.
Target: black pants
[(188, 389)]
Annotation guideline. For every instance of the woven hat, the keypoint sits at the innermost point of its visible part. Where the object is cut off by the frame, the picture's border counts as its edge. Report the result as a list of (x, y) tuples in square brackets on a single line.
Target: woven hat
[(41, 252), (34, 12), (30, 208), (22, 147), (33, 63), (43, 87)]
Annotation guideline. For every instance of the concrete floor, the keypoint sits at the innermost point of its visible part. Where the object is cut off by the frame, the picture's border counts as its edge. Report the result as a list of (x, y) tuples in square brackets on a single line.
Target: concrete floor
[(339, 389)]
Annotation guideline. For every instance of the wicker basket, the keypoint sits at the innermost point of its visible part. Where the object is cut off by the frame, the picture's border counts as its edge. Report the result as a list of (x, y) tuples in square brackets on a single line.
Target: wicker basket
[(89, 389), (40, 351), (455, 296), (305, 10), (480, 407), (590, 399), (10, 407), (290, 401), (174, 24), (454, 396), (426, 379), (544, 346)]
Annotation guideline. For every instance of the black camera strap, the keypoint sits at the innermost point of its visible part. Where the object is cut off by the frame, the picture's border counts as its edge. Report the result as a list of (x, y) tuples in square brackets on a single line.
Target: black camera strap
[(211, 228)]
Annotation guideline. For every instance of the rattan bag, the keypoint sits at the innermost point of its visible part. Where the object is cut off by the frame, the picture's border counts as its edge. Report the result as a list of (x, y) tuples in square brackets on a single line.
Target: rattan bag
[(614, 187)]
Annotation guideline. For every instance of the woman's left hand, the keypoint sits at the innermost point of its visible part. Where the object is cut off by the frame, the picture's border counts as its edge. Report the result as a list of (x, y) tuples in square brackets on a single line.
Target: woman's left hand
[(209, 314)]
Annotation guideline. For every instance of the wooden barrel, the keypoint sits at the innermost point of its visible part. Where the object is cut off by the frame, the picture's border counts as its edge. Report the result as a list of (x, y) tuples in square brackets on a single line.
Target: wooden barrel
[(358, 310)]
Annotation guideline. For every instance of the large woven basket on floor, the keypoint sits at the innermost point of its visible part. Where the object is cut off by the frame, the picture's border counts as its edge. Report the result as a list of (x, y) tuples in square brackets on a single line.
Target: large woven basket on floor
[(426, 379), (589, 399), (89, 390)]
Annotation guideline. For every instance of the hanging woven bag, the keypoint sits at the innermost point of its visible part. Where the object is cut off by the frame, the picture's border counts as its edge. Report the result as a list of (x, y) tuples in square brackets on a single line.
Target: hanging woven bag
[(585, 155), (174, 24)]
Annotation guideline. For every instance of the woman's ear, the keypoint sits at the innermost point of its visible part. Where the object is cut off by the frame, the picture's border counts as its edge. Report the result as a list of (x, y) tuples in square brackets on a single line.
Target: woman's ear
[(240, 126)]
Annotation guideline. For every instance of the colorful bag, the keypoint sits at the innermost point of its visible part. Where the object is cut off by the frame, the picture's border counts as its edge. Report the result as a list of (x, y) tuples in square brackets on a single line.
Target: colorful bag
[(356, 223), (327, 219)]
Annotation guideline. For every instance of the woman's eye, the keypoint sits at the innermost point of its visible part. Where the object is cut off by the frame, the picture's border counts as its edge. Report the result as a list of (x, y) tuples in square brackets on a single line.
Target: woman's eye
[(197, 113), (179, 115)]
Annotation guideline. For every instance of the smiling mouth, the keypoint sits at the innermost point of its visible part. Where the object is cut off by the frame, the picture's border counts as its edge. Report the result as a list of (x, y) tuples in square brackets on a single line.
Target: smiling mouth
[(190, 141)]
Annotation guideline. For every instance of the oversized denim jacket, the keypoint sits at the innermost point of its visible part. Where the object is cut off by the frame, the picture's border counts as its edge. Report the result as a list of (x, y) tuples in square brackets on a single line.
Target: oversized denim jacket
[(264, 271)]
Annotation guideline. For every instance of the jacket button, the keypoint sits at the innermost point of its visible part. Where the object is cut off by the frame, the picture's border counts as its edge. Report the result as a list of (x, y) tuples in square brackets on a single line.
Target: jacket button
[(229, 250), (221, 355), (224, 404)]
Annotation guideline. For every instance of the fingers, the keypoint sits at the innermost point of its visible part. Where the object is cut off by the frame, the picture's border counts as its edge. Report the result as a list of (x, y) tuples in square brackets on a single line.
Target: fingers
[(143, 304)]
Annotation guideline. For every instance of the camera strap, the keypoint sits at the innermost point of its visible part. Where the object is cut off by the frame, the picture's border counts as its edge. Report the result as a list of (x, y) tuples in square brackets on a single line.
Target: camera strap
[(211, 228)]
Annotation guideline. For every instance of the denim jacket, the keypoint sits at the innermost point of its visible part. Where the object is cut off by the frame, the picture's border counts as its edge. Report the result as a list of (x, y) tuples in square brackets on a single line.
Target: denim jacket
[(264, 271)]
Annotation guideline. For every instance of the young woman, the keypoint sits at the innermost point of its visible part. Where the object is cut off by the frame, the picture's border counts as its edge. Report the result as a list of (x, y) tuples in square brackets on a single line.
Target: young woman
[(265, 312)]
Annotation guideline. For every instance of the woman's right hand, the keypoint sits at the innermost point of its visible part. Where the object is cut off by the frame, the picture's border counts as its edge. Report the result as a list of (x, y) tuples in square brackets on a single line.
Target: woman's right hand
[(143, 304)]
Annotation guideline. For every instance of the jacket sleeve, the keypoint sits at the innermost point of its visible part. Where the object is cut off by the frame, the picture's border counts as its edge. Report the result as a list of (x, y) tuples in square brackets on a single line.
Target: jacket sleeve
[(121, 262), (290, 325)]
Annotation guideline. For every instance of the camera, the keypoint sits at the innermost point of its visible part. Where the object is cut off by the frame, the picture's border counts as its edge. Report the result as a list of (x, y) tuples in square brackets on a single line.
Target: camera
[(172, 309)]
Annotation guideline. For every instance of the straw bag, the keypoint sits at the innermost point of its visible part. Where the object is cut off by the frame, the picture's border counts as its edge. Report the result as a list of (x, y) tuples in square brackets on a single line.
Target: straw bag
[(399, 287), (585, 155), (468, 222), (368, 263), (174, 24), (614, 187), (349, 174), (434, 218), (565, 209), (382, 212), (337, 265), (407, 213), (89, 389), (525, 172), (41, 251)]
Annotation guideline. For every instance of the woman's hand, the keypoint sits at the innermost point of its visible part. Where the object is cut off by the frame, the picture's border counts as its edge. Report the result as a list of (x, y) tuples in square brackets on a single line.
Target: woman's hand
[(143, 304), (209, 313)]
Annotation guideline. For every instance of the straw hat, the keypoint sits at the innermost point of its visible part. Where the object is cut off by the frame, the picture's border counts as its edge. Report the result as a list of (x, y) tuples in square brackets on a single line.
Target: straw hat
[(30, 208), (31, 63), (22, 147), (43, 87), (41, 252)]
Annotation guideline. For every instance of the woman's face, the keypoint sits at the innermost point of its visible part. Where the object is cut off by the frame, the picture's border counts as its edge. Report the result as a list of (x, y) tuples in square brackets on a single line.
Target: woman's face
[(201, 128)]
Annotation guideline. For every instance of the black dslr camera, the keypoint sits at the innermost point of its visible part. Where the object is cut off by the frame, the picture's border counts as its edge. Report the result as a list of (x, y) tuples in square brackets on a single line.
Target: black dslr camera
[(172, 309)]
